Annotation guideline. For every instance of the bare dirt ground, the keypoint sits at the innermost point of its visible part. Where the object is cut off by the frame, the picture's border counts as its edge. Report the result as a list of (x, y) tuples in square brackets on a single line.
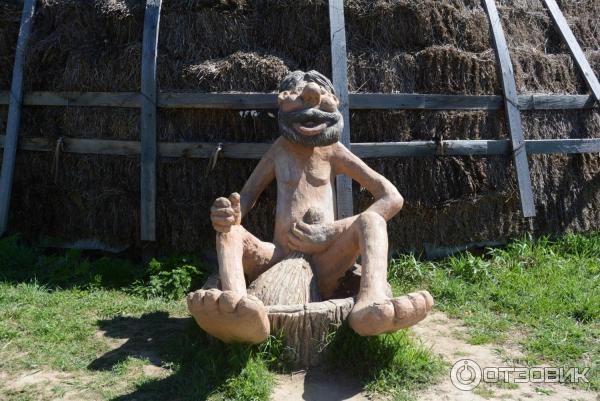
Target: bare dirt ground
[(317, 386), (445, 337)]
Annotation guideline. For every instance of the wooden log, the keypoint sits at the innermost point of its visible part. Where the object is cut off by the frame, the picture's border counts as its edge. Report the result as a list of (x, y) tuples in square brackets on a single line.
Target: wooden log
[(584, 66), (14, 115), (203, 150), (556, 102), (304, 327), (412, 101), (339, 72), (228, 101), (513, 115), (268, 101), (148, 121)]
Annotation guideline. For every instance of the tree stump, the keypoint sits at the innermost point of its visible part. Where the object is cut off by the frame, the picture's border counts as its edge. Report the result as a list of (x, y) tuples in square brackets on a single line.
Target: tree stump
[(303, 325)]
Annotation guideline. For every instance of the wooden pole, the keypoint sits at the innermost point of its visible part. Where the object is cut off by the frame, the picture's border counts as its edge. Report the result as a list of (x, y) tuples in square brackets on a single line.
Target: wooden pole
[(148, 122), (588, 74), (255, 150), (513, 115), (268, 101), (339, 72), (14, 115)]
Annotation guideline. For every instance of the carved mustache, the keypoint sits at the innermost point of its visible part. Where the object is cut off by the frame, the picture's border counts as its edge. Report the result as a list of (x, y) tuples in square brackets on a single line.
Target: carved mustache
[(310, 115)]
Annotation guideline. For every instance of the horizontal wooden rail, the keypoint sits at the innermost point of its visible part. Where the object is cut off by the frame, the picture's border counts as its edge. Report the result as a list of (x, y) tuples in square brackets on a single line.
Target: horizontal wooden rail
[(204, 150), (262, 101)]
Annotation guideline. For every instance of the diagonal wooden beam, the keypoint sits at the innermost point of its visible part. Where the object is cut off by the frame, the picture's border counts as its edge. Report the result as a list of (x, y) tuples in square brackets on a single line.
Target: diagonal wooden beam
[(14, 115), (584, 66), (513, 115), (148, 122), (339, 72)]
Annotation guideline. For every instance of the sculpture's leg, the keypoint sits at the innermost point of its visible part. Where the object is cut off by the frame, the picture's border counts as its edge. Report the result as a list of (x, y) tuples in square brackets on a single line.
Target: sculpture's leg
[(230, 314), (375, 312)]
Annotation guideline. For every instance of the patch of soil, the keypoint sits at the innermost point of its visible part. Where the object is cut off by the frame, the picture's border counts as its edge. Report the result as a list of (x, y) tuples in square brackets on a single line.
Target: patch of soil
[(316, 385), (44, 384), (445, 337)]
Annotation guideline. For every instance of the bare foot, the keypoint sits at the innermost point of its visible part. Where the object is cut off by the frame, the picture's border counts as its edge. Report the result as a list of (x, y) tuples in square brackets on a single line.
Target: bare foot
[(369, 318), (229, 316)]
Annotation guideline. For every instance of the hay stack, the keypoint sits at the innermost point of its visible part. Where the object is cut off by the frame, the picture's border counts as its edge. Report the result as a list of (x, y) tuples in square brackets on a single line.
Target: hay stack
[(422, 46)]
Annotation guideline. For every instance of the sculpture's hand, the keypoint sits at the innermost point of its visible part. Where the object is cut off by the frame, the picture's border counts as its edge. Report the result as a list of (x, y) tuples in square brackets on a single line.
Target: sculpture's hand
[(225, 213), (310, 238)]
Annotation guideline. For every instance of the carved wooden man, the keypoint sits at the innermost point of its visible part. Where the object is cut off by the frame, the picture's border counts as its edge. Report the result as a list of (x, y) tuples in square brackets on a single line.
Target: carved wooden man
[(305, 160)]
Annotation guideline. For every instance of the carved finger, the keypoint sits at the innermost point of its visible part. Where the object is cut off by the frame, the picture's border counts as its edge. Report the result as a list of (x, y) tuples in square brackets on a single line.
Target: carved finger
[(304, 227), (297, 233), (293, 247), (295, 244), (234, 198), (222, 220), (226, 211), (221, 203)]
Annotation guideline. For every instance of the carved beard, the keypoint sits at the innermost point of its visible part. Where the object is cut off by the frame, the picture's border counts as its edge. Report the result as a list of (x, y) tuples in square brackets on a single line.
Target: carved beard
[(330, 135)]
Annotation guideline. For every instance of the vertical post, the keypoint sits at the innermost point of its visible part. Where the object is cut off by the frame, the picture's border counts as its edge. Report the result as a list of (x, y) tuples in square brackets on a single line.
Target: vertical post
[(513, 115), (339, 71), (148, 121), (580, 59), (14, 115)]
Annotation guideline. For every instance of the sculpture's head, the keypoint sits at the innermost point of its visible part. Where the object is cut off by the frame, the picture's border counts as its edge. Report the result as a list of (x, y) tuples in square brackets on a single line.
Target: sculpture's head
[(308, 109)]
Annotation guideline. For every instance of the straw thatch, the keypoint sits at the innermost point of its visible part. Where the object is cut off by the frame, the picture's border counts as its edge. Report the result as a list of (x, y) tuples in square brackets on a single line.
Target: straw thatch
[(426, 46)]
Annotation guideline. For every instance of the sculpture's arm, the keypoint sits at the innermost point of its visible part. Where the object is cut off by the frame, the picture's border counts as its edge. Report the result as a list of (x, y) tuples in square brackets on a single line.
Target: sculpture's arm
[(388, 200), (262, 176)]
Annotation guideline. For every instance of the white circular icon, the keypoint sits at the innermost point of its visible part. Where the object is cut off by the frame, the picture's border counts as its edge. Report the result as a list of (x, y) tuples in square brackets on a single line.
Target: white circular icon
[(465, 374)]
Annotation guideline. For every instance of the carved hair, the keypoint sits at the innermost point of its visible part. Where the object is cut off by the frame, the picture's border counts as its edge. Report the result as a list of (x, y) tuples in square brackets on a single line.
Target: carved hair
[(294, 78)]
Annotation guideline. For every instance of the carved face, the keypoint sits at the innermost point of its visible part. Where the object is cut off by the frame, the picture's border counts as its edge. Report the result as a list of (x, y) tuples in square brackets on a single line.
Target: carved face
[(308, 112)]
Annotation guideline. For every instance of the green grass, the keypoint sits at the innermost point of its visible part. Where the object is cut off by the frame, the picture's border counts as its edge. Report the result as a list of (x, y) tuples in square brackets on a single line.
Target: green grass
[(103, 321), (391, 364), (543, 294), (57, 330)]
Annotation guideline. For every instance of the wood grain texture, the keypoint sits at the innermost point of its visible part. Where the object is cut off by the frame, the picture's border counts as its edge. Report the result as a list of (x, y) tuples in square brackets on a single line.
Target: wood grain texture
[(148, 121), (513, 115), (580, 59), (339, 72), (289, 282), (305, 326), (14, 115)]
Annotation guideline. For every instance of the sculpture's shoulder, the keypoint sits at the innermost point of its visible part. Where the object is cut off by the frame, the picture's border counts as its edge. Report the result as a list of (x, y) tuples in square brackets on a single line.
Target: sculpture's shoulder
[(338, 152)]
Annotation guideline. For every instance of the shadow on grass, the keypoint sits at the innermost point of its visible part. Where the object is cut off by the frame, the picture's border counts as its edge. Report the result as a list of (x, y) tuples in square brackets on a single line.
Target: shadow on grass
[(201, 364)]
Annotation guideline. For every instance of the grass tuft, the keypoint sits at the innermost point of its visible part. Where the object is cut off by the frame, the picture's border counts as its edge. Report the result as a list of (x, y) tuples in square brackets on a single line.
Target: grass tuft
[(392, 364), (542, 292)]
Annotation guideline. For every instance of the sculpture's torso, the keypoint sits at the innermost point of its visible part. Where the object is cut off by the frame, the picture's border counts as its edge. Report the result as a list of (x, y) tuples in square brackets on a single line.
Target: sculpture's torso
[(305, 179)]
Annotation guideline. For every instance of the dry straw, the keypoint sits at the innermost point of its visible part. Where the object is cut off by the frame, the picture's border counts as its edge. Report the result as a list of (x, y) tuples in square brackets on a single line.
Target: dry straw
[(427, 46)]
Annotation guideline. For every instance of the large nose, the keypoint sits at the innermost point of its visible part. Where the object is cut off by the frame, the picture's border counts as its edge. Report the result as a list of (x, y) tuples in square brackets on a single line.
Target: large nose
[(311, 94)]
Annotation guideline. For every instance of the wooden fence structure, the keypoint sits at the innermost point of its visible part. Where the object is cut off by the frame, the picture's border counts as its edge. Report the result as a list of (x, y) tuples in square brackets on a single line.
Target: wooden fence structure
[(150, 98)]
